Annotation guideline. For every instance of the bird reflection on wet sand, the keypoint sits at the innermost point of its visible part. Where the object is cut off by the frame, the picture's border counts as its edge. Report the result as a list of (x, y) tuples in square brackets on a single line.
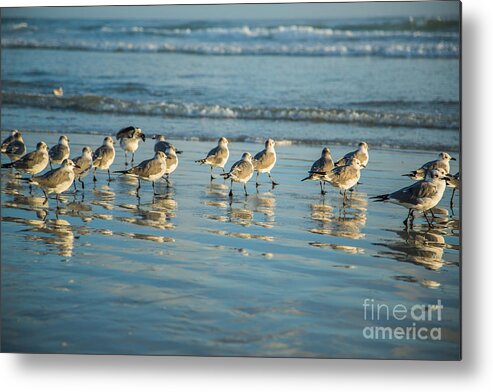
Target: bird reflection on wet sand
[(342, 222), (422, 246)]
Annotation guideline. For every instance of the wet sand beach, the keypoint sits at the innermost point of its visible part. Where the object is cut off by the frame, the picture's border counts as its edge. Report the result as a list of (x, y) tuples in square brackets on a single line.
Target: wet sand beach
[(281, 272)]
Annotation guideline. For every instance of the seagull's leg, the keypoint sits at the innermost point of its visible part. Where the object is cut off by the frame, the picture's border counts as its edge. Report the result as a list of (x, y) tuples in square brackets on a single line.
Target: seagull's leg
[(82, 182), (452, 199), (321, 188), (426, 216), (344, 198), (138, 186), (256, 180), (231, 189), (51, 167), (432, 214), (75, 186), (126, 159), (212, 177), (109, 177), (132, 161), (272, 180), (154, 189), (167, 180), (244, 187), (412, 218), (94, 179), (407, 218), (46, 196)]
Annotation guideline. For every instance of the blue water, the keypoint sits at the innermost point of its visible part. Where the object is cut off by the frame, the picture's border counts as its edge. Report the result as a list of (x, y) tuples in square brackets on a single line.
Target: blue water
[(281, 272), (394, 80)]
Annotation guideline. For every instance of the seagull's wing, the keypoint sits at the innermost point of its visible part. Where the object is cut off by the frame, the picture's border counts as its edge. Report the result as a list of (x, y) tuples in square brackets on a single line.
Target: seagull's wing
[(16, 147), (264, 159)]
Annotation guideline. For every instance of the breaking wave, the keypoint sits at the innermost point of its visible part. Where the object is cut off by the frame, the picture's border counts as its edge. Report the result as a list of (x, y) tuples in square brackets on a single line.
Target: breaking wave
[(103, 104)]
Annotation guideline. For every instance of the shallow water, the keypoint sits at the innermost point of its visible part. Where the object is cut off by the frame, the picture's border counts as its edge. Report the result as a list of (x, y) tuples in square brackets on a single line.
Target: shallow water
[(282, 272)]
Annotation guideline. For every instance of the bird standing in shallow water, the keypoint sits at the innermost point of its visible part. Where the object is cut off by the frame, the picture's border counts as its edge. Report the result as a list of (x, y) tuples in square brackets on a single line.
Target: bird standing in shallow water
[(103, 157), (241, 172), (320, 168), (83, 166), (32, 163), (344, 177), (264, 161), (218, 156), (129, 140), (149, 170), (421, 196), (57, 180)]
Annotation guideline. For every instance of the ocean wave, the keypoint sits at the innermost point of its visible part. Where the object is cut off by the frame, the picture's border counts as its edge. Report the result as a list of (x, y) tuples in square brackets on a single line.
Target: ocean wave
[(103, 104), (281, 31), (397, 50)]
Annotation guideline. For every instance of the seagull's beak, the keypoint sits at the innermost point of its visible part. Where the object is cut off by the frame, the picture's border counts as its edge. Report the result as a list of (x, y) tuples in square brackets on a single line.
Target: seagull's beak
[(143, 137), (77, 166), (453, 159), (154, 137)]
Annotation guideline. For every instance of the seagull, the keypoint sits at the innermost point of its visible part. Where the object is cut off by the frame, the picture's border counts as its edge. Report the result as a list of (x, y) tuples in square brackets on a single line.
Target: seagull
[(57, 180), (264, 161), (58, 92), (241, 171), (443, 162), (453, 181), (218, 156), (163, 145), (421, 196), (129, 140), (361, 153), (344, 177), (149, 170), (59, 152), (103, 157), (32, 163), (83, 165), (9, 139), (321, 167), (16, 148), (171, 162)]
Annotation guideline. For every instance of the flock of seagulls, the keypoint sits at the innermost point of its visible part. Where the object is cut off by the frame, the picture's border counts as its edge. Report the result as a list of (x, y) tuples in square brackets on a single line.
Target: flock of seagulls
[(344, 174)]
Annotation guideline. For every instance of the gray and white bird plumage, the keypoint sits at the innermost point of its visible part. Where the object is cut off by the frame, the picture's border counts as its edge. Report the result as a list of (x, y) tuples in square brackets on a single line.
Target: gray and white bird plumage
[(150, 170), (218, 156), (9, 139), (104, 156), (264, 161), (83, 165), (241, 172), (163, 145), (420, 196), (61, 151), (129, 140), (443, 162), (16, 148), (57, 180), (361, 154), (32, 163), (320, 168)]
